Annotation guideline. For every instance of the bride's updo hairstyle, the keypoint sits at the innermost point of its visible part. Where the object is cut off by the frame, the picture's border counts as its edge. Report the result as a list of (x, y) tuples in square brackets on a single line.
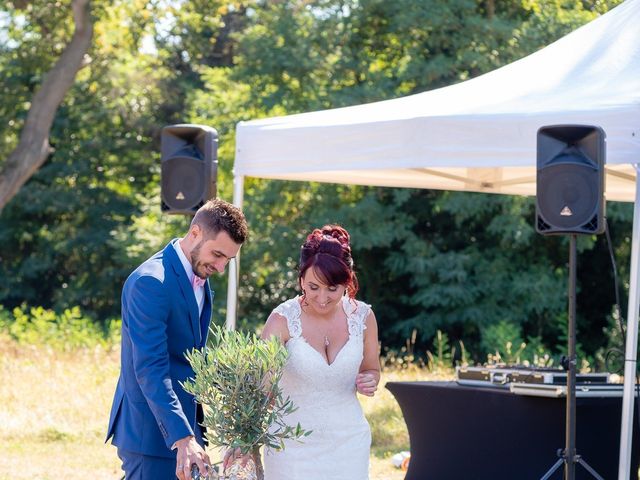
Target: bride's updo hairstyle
[(328, 251)]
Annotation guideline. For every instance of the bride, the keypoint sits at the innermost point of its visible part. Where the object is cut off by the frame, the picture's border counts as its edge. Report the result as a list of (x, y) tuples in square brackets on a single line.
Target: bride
[(332, 340)]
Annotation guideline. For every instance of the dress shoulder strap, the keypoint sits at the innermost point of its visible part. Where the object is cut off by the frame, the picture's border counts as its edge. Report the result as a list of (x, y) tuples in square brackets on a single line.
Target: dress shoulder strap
[(357, 313), (291, 311)]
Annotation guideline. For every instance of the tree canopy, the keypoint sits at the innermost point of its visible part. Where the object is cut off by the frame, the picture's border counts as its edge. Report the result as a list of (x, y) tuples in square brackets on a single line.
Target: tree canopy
[(468, 264)]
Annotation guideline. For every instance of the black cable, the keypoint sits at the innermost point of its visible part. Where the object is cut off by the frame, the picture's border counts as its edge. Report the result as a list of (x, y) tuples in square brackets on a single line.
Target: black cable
[(613, 352), (615, 282)]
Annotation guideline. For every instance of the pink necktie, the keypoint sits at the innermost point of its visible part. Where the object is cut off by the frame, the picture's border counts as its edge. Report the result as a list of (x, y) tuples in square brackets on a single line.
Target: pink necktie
[(197, 282)]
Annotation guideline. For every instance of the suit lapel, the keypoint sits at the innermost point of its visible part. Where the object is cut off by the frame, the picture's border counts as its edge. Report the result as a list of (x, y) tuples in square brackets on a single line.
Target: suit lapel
[(205, 320), (187, 292)]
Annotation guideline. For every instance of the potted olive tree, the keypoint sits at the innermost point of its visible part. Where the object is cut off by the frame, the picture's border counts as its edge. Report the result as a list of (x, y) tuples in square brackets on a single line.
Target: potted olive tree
[(237, 381)]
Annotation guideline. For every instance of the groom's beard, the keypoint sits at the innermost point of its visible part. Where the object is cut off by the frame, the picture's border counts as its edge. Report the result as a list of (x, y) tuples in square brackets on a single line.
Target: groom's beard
[(197, 266)]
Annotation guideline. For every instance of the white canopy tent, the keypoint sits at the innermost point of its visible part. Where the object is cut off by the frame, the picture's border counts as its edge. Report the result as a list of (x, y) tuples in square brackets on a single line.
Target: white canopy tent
[(478, 135)]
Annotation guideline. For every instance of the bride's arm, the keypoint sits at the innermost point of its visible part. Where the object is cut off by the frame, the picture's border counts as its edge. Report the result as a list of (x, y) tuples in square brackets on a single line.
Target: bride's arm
[(276, 326), (369, 376)]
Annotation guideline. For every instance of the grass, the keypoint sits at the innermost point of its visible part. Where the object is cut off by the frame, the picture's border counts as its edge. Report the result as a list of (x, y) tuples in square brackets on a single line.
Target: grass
[(55, 408)]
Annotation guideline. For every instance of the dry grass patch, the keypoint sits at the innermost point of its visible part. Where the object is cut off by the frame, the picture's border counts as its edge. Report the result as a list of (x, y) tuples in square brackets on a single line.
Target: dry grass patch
[(55, 409)]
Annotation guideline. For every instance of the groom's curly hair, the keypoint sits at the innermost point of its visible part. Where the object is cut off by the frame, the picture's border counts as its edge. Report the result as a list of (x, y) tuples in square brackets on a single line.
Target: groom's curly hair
[(217, 215)]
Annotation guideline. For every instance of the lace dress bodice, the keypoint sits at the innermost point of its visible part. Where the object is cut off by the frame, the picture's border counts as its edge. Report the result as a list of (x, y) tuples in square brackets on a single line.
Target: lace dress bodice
[(325, 394)]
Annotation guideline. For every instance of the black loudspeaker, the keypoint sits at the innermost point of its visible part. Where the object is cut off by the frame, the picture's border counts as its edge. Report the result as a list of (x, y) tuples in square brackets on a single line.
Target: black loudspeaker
[(570, 180), (189, 167)]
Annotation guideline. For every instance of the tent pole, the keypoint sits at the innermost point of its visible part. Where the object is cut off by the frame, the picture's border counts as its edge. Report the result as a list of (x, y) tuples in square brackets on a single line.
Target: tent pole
[(234, 264), (626, 429)]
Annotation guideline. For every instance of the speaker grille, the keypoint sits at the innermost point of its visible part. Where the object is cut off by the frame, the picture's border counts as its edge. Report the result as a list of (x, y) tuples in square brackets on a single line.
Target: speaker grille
[(189, 156), (568, 198), (183, 187), (570, 179)]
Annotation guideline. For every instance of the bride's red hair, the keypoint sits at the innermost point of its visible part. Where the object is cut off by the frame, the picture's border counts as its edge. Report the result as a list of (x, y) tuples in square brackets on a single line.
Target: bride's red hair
[(328, 251)]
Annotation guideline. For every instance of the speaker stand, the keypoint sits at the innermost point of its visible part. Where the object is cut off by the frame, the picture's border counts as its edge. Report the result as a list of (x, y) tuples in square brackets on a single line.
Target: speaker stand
[(569, 456)]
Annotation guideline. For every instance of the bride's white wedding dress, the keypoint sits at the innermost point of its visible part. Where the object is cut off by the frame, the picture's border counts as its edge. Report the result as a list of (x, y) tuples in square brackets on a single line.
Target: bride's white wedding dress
[(325, 394)]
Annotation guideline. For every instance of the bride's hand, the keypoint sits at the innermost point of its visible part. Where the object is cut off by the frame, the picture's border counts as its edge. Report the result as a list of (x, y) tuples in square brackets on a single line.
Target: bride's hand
[(366, 384), (233, 454)]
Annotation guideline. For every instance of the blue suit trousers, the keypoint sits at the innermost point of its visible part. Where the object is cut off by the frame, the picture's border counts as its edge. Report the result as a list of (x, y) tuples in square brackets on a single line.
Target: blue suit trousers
[(146, 467)]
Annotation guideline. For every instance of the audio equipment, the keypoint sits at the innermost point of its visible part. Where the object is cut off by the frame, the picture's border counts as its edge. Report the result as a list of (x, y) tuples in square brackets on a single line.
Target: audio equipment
[(570, 180), (189, 167)]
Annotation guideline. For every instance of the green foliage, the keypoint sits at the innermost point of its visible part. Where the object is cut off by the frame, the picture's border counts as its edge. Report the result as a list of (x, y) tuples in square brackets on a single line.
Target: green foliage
[(65, 221), (505, 345), (237, 378), (428, 261), (442, 357), (67, 331), (439, 361), (611, 355)]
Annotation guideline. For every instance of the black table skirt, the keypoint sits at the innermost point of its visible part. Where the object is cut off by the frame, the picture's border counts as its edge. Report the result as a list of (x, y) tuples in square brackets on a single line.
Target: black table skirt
[(488, 433)]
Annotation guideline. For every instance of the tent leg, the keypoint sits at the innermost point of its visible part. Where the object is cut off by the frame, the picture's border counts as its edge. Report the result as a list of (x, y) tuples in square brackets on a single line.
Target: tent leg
[(631, 348), (234, 264)]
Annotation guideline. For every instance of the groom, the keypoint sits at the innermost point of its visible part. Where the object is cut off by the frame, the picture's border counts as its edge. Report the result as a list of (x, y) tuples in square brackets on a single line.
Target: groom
[(166, 310)]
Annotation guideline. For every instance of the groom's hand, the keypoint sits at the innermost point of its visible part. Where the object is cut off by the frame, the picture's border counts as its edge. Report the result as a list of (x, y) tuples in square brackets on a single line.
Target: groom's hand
[(189, 453)]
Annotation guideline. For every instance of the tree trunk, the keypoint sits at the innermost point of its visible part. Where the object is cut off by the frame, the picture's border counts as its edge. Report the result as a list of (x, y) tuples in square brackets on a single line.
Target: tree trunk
[(491, 9), (257, 460), (33, 147)]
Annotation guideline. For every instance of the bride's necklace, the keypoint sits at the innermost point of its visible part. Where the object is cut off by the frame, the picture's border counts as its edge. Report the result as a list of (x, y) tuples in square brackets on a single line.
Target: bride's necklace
[(331, 321), (326, 335)]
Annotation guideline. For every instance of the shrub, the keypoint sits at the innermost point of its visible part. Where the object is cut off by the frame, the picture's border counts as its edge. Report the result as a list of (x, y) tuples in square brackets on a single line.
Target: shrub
[(65, 331), (237, 378)]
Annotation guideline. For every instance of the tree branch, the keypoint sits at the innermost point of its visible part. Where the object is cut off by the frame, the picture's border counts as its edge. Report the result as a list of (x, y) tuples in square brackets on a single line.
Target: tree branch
[(33, 147)]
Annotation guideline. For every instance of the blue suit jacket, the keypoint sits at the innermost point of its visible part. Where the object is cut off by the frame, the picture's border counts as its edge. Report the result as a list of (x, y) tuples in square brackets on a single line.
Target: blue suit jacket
[(160, 322)]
